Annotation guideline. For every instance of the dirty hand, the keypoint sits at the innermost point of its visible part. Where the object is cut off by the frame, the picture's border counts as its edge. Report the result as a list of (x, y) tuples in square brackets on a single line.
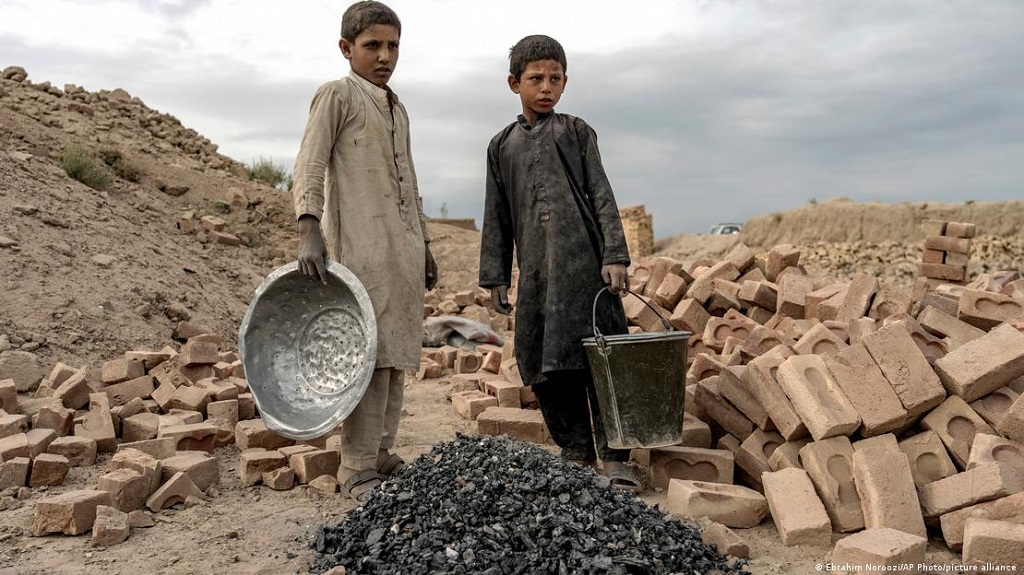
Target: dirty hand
[(499, 296), (312, 250), (430, 268), (615, 276)]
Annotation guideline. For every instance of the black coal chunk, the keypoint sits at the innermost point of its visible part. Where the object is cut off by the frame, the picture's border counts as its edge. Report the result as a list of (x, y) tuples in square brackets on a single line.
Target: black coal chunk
[(497, 506)]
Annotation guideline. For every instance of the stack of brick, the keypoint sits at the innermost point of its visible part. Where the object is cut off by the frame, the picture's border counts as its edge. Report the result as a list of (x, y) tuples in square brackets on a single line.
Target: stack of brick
[(848, 407), (471, 304), (947, 249), (637, 226), (161, 415)]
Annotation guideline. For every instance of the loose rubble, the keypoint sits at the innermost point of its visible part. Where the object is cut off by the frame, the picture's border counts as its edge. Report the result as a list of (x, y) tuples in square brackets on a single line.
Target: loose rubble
[(493, 506)]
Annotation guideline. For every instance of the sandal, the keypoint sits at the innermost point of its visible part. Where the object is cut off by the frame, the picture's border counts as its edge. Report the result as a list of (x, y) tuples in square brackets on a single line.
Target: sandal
[(359, 486), (622, 476), (391, 465)]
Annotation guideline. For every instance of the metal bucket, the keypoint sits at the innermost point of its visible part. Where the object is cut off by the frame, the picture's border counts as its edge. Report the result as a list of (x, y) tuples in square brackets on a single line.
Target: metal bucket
[(308, 348), (641, 381)]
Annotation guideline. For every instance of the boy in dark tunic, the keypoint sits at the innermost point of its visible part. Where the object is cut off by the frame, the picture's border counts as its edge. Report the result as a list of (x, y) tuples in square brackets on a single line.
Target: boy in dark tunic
[(548, 196)]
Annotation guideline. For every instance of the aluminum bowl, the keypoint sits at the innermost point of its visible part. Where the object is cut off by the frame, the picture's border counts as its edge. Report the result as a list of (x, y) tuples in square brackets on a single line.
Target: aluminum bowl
[(308, 349)]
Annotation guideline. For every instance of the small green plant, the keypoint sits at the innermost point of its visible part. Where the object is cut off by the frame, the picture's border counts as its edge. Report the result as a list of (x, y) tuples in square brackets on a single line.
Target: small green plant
[(813, 202), (444, 211), (121, 166), (266, 171), (776, 217), (82, 165), (220, 207)]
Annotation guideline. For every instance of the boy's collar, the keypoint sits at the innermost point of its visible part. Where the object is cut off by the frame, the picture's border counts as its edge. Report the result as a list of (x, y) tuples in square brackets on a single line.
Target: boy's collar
[(540, 118), (385, 94)]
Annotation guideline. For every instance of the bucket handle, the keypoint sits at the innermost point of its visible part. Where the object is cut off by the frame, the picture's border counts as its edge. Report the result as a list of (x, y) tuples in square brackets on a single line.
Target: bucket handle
[(599, 337)]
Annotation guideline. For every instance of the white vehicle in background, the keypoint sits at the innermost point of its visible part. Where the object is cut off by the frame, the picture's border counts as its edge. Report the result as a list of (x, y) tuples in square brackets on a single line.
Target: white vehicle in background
[(725, 229)]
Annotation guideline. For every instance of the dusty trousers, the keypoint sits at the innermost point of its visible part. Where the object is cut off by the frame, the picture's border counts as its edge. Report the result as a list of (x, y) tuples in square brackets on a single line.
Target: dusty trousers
[(373, 424), (568, 402)]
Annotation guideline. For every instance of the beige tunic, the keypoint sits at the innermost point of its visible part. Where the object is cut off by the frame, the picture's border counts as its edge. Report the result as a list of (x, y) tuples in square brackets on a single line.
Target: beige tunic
[(354, 172)]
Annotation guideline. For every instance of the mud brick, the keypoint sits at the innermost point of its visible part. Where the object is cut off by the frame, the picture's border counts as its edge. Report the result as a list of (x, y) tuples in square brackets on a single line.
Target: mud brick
[(313, 464), (38, 440), (696, 433), (983, 365), (689, 315), (465, 298), (470, 404), (212, 223), (158, 449), (222, 369), (994, 406), (1011, 425), (814, 299), (524, 424), (280, 479), (759, 314), (884, 441), (690, 463), (1009, 508), (670, 291), (906, 369), (246, 407), (14, 472), (933, 227), (118, 370), (149, 359), (254, 462), (465, 382), (510, 370), (867, 389), (217, 390), (59, 419), (829, 309), (796, 509), (933, 256), (132, 407), (447, 355), (829, 464), (993, 545), (956, 425), (128, 488), (97, 424), (189, 398), (468, 362), (226, 410), (74, 391), (787, 455), (948, 244), (507, 393), (928, 458), (718, 329), (174, 491), (945, 272), (779, 258), (122, 393), (819, 340), (140, 427), (1014, 289), (734, 389), (885, 485), (946, 304), (762, 340), (820, 402), (491, 362), (762, 384), (880, 549), (730, 505), (658, 269), (79, 451), (254, 433), (985, 310), (203, 470), (889, 300), (705, 365), (111, 527), (941, 324), (793, 290), (639, 314), (753, 274), (703, 285), (192, 436), (840, 329), (8, 396), (48, 470), (708, 397), (977, 485), (71, 513), (725, 541), (196, 372), (180, 417), (755, 451), (723, 298), (762, 294), (12, 424), (168, 373), (858, 297), (993, 448), (298, 448)]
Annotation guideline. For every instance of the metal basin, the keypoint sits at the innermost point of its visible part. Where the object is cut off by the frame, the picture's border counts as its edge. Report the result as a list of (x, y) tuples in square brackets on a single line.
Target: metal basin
[(308, 349)]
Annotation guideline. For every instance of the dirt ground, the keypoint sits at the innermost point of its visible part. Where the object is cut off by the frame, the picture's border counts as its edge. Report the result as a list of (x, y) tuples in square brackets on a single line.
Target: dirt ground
[(87, 275)]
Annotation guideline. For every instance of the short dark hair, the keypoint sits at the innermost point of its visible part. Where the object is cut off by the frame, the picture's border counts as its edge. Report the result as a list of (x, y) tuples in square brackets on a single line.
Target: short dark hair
[(532, 49), (362, 15)]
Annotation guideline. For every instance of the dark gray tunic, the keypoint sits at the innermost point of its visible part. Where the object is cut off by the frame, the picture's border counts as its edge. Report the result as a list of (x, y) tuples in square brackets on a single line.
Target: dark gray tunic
[(548, 195)]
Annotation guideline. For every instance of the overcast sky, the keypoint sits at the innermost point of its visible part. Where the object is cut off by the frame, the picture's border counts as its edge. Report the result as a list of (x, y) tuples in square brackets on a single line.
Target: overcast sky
[(706, 111)]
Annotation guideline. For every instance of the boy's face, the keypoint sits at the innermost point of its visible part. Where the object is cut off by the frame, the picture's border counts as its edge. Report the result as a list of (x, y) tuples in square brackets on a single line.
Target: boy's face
[(374, 53), (539, 88)]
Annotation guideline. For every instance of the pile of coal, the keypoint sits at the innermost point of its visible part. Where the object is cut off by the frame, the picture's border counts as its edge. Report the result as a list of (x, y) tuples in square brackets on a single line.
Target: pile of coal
[(493, 506)]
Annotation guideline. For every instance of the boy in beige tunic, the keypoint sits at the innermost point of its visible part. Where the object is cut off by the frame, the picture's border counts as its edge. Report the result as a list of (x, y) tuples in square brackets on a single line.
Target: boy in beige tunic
[(357, 202)]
